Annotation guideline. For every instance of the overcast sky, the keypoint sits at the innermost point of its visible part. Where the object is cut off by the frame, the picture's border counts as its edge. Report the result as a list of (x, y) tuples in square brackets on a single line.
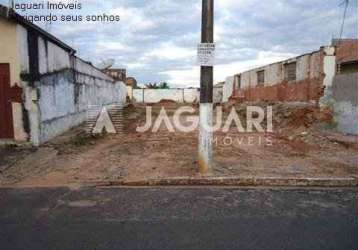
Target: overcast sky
[(156, 39)]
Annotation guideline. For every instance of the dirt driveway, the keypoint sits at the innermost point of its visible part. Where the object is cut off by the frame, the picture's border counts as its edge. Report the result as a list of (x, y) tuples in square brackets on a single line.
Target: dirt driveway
[(299, 147)]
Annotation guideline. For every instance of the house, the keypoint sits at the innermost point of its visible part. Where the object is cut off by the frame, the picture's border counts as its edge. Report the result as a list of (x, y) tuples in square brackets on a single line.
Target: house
[(301, 79), (131, 81), (117, 74), (327, 77), (45, 89)]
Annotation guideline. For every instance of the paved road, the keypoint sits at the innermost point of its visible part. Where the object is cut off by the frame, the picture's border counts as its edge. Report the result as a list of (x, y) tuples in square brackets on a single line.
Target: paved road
[(178, 218)]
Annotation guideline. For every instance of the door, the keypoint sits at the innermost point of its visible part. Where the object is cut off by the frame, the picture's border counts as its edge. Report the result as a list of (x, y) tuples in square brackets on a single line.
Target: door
[(6, 121)]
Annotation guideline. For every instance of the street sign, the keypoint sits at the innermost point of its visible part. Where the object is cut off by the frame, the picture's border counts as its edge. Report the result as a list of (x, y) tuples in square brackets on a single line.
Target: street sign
[(206, 54)]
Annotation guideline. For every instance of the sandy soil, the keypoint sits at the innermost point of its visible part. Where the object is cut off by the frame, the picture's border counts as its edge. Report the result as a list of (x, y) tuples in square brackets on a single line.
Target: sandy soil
[(302, 145)]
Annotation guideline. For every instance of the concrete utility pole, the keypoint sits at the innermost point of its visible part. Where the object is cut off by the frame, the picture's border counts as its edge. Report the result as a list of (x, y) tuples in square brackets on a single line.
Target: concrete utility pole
[(206, 93), (11, 4)]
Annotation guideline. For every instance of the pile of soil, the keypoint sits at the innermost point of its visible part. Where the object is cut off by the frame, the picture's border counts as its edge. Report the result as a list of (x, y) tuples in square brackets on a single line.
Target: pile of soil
[(290, 115)]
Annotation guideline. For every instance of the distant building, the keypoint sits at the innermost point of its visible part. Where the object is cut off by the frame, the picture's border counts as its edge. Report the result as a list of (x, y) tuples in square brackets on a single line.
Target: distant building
[(302, 78), (327, 77), (117, 74), (131, 81), (219, 85), (131, 84)]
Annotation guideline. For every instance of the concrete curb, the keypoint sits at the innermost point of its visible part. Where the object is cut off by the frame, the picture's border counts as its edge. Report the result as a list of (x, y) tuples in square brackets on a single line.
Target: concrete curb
[(238, 181)]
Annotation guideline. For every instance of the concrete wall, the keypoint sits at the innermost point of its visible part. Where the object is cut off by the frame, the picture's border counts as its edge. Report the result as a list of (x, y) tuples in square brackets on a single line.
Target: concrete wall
[(329, 66), (273, 74), (345, 96), (228, 89), (218, 94), (67, 88), (158, 95), (130, 92), (191, 95)]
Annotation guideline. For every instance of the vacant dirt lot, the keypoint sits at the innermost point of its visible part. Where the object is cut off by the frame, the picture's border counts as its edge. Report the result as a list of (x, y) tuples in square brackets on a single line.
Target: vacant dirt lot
[(303, 145)]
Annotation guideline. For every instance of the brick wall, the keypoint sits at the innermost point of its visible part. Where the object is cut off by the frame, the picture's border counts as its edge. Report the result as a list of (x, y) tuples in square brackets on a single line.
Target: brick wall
[(347, 50), (302, 91)]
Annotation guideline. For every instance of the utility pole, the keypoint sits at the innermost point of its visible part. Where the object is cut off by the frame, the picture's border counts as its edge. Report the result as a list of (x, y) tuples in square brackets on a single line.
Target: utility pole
[(11, 7), (11, 4), (206, 92), (346, 3)]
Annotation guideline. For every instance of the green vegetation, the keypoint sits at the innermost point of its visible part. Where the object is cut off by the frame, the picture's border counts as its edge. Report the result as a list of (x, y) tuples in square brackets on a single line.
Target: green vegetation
[(162, 85)]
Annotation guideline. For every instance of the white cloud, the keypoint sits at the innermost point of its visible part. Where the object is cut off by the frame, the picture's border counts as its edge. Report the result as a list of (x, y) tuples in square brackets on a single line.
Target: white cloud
[(231, 3), (135, 65), (102, 46), (183, 77), (134, 19), (171, 51)]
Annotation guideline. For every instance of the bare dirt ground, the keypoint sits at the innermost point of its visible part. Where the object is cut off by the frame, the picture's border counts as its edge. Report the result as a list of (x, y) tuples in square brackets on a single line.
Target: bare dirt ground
[(303, 145)]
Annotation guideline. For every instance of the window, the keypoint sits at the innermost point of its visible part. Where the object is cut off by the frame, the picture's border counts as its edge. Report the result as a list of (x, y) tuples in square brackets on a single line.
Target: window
[(348, 67), (290, 71), (261, 77), (238, 81)]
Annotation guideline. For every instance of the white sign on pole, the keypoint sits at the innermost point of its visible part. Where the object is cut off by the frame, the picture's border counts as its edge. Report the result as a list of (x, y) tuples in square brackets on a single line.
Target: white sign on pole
[(206, 54)]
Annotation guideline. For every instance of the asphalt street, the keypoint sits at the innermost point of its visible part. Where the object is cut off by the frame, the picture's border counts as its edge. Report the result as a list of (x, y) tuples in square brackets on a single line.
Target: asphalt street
[(178, 218)]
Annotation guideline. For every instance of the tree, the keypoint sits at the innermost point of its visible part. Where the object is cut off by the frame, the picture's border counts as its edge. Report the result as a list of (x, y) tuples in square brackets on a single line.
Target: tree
[(151, 86), (162, 85)]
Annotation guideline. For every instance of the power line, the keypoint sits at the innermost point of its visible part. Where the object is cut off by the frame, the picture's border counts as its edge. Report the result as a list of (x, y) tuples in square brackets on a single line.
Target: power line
[(346, 3)]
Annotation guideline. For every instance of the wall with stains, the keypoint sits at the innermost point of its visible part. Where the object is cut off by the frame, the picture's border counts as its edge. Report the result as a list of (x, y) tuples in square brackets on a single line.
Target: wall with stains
[(68, 87), (51, 57), (228, 89), (60, 89), (191, 95), (157, 95), (345, 102)]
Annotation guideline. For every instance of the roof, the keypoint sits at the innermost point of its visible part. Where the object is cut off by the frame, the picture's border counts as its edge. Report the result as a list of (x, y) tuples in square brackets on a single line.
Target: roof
[(11, 15), (286, 61)]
